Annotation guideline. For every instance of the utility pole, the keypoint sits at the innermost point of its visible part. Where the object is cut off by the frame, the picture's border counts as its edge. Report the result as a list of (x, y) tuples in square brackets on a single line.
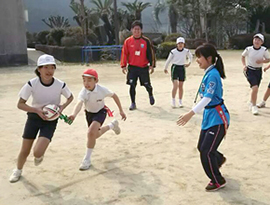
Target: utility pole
[(116, 28)]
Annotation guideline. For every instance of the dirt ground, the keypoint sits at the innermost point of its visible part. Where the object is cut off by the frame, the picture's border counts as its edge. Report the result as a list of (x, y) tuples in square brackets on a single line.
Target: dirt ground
[(153, 161)]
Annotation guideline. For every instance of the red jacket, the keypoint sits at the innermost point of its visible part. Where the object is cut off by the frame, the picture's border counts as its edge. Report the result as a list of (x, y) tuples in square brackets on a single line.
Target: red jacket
[(138, 52)]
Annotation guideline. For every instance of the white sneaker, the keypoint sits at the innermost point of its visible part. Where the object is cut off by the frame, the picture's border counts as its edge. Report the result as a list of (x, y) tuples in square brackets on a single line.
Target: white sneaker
[(116, 127), (254, 110), (85, 165), (173, 105), (181, 105), (15, 176), (37, 161), (261, 105)]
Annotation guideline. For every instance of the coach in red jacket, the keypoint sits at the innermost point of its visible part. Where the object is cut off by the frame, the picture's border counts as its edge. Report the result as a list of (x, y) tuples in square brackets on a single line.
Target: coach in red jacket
[(138, 53)]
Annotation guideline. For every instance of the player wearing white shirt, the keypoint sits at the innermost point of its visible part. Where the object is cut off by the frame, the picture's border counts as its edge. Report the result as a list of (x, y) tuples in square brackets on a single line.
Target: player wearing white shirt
[(178, 57), (92, 97), (44, 89), (256, 56)]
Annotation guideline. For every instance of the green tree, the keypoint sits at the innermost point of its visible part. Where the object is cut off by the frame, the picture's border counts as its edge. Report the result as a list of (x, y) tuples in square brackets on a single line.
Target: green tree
[(57, 22), (136, 8)]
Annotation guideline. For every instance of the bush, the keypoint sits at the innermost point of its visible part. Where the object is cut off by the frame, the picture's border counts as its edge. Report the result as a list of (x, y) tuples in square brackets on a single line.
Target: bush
[(172, 37), (244, 40), (164, 49), (31, 39), (41, 37), (76, 34), (57, 34)]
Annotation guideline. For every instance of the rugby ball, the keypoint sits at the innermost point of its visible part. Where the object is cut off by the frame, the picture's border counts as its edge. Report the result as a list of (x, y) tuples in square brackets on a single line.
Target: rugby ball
[(51, 111)]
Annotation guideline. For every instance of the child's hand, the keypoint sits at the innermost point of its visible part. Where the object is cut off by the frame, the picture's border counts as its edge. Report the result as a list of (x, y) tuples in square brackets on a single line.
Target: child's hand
[(72, 117), (124, 70), (245, 68), (166, 71), (151, 69), (183, 119), (266, 68), (186, 65), (42, 114), (259, 61), (123, 115)]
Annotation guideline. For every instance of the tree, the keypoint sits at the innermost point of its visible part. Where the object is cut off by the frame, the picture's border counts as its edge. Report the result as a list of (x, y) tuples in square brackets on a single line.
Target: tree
[(136, 8), (104, 10), (56, 22)]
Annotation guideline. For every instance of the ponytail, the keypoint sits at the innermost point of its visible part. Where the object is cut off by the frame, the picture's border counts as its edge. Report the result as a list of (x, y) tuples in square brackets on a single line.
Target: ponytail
[(220, 66), (207, 50)]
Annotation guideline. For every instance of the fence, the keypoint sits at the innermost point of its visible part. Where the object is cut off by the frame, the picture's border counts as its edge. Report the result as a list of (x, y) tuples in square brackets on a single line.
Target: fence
[(88, 51)]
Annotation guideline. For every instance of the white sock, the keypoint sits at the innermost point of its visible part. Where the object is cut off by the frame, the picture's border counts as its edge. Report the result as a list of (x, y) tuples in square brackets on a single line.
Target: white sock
[(173, 101), (111, 126), (88, 154), (180, 101)]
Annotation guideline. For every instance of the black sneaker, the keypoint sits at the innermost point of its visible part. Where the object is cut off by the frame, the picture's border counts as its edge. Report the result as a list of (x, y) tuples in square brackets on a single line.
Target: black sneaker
[(214, 187), (132, 106), (152, 100), (223, 162)]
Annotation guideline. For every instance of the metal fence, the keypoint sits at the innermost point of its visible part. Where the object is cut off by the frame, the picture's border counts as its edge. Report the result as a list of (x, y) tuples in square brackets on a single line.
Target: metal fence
[(88, 52)]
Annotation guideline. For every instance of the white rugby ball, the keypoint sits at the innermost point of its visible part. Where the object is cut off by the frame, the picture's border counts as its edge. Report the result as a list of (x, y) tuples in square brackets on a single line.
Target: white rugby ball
[(51, 111)]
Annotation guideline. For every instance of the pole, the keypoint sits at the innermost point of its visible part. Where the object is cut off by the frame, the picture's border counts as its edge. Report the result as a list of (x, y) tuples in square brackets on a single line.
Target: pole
[(116, 28)]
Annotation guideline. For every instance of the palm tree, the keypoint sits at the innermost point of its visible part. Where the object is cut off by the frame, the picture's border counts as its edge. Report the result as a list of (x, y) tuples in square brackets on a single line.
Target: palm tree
[(173, 13), (136, 8), (104, 11)]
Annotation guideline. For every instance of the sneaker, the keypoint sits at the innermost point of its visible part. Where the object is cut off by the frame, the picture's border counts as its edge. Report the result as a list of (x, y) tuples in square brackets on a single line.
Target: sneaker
[(15, 176), (214, 187), (132, 106), (173, 105), (181, 105), (152, 100), (37, 161), (223, 162), (85, 165), (261, 105), (254, 110), (116, 127)]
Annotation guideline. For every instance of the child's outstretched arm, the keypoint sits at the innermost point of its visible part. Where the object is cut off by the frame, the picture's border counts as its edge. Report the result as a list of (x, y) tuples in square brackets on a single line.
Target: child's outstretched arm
[(118, 103), (64, 105), (76, 110), (266, 68)]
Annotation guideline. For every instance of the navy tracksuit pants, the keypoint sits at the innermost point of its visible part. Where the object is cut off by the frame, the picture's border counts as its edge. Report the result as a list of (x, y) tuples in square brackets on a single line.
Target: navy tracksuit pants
[(211, 159)]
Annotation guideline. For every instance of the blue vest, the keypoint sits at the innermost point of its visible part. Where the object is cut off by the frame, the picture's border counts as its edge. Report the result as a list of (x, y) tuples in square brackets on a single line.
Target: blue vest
[(211, 87)]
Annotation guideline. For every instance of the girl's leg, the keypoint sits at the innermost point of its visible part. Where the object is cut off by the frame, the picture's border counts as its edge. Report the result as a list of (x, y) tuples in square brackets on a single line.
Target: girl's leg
[(208, 152), (24, 152), (174, 90), (267, 94), (181, 92), (41, 146), (254, 93)]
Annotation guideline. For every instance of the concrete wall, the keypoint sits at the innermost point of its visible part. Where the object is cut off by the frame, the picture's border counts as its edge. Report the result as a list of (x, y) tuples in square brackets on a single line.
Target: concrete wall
[(13, 47)]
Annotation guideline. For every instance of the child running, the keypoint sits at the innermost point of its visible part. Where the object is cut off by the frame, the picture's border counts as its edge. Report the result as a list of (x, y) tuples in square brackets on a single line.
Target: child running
[(45, 89), (216, 117), (257, 55), (92, 96), (178, 57), (266, 94)]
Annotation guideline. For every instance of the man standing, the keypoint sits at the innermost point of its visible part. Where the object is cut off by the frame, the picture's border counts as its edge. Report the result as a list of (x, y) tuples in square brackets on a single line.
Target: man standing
[(138, 53)]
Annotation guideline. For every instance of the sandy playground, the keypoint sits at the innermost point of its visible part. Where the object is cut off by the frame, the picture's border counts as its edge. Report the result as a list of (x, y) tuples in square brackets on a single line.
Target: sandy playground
[(152, 161)]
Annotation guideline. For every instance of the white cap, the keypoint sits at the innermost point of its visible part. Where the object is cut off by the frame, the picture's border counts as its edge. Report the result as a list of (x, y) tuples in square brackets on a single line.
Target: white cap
[(45, 60), (260, 36), (180, 40)]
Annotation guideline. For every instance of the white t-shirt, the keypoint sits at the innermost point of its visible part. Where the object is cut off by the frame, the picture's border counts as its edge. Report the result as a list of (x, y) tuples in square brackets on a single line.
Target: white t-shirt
[(178, 57), (254, 54), (94, 100), (44, 94)]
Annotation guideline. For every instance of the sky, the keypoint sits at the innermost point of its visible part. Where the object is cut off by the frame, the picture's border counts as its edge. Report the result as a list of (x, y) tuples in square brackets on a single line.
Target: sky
[(42, 9)]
